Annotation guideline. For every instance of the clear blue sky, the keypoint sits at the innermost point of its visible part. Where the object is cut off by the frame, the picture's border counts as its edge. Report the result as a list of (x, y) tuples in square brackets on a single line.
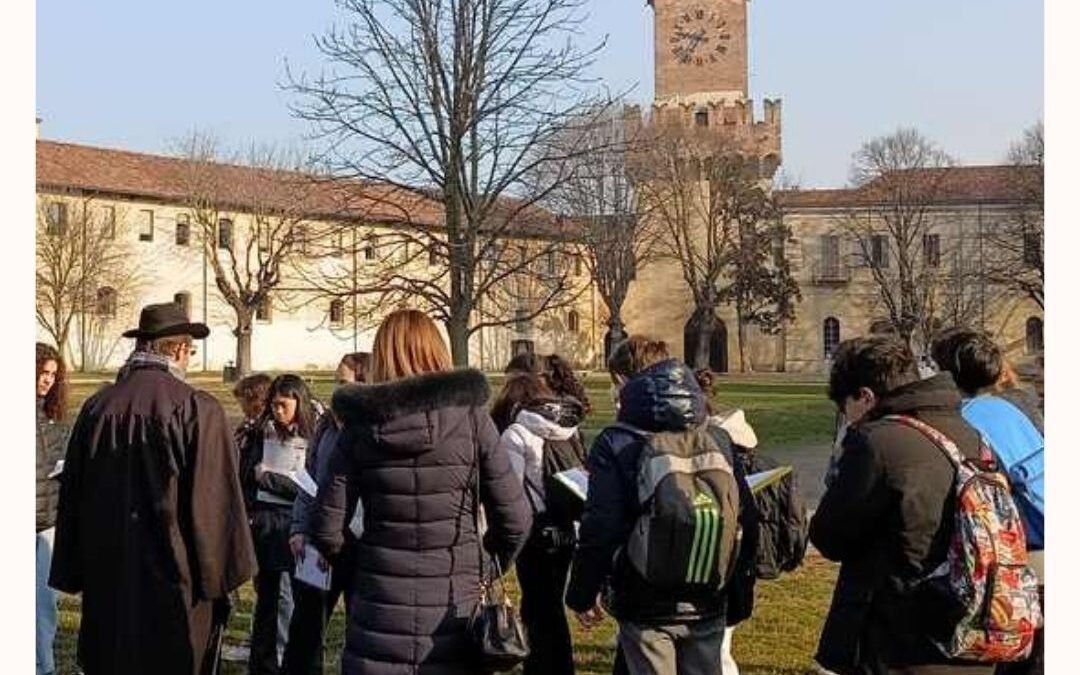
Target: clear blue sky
[(967, 73)]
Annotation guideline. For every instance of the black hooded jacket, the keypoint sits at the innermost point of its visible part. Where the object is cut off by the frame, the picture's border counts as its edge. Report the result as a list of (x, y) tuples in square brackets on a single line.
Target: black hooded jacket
[(887, 519), (663, 397)]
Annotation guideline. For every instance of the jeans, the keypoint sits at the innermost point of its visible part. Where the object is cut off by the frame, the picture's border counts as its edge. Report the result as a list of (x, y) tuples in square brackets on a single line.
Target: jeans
[(46, 604), (270, 623), (542, 576), (726, 659), (691, 648), (307, 631)]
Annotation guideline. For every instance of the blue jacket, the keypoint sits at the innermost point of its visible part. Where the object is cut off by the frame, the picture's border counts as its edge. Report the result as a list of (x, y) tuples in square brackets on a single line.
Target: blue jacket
[(663, 397), (1018, 446)]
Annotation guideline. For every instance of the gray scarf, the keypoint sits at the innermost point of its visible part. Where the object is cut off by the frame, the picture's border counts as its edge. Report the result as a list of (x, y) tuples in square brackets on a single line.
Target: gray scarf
[(139, 359)]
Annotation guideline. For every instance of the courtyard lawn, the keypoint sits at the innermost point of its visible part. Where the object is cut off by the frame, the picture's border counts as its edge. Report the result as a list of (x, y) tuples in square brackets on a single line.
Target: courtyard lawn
[(778, 640)]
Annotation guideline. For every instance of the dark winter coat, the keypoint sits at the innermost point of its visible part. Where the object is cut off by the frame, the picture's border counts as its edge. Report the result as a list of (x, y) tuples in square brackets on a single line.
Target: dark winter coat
[(269, 521), (409, 452), (51, 443), (151, 526), (663, 397), (887, 519), (317, 465), (783, 526)]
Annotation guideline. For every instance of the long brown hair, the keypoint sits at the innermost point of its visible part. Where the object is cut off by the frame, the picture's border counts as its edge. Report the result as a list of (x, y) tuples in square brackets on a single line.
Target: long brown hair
[(354, 367), (407, 343), (635, 354), (55, 405), (518, 389)]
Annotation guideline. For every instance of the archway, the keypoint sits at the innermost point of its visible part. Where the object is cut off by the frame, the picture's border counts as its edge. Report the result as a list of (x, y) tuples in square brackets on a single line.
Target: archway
[(705, 325)]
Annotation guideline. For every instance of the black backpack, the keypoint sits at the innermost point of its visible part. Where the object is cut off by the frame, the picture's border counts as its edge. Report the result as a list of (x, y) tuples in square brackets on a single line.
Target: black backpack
[(783, 525)]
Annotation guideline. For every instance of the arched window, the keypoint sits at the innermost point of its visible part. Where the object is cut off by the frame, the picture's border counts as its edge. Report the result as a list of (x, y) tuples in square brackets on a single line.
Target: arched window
[(183, 229), (1034, 331), (830, 335), (573, 322), (183, 301), (337, 312), (106, 302)]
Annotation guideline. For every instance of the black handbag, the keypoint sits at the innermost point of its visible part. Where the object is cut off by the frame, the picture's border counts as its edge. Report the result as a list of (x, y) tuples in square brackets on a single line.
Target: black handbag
[(495, 629)]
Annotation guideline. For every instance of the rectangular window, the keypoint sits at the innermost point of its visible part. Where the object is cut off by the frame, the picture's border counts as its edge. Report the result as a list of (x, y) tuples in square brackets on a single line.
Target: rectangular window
[(56, 219), (225, 234), (264, 238), (370, 247), (300, 240), (183, 301), (552, 263), (108, 222), (146, 225), (183, 229), (337, 312), (701, 118), (830, 256), (578, 264), (433, 253), (931, 244), (879, 251), (263, 310), (1032, 249)]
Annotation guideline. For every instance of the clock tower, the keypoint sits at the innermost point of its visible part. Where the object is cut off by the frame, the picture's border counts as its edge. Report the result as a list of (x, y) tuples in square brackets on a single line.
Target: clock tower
[(700, 49)]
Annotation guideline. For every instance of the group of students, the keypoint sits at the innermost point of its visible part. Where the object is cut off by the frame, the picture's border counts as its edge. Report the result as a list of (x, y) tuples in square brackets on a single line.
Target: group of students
[(426, 489)]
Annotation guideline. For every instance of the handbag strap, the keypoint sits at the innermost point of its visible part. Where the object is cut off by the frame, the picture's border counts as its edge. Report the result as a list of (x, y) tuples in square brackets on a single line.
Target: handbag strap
[(474, 488)]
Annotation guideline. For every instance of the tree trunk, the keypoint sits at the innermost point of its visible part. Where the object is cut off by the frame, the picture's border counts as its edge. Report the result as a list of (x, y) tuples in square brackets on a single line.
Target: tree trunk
[(244, 319), (742, 342), (457, 328), (705, 329), (616, 333)]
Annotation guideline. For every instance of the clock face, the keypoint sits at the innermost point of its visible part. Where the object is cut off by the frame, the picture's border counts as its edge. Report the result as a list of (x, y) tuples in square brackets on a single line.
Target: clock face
[(700, 37)]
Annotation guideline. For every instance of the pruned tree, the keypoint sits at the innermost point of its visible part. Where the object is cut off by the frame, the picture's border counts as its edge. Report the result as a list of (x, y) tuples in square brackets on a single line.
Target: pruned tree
[(900, 177), (1015, 247), (453, 101), (699, 191), (757, 279), (616, 236), (84, 275), (248, 216)]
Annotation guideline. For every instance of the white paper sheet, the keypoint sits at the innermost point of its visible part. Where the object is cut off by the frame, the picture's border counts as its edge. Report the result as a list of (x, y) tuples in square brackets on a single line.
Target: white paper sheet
[(577, 480), (763, 479), (308, 571), (57, 470), (284, 457)]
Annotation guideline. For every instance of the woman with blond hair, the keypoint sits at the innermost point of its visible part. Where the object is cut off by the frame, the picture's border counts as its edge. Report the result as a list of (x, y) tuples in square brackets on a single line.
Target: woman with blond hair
[(419, 452)]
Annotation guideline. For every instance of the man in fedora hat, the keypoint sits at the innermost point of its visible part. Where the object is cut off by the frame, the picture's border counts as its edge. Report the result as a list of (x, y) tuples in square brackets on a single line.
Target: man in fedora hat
[(151, 527)]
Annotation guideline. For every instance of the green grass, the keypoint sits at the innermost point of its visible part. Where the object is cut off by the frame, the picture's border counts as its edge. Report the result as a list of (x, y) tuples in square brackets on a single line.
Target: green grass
[(778, 640)]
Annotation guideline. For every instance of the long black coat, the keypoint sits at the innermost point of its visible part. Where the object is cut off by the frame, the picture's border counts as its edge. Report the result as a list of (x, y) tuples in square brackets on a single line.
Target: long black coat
[(151, 526), (886, 519), (408, 453)]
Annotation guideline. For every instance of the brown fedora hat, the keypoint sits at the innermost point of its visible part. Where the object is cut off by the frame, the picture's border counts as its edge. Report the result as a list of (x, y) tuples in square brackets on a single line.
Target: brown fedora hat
[(163, 320)]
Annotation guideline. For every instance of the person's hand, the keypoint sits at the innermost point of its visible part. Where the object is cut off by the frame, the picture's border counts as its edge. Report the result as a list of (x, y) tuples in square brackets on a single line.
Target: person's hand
[(323, 564), (296, 545), (590, 618), (259, 472)]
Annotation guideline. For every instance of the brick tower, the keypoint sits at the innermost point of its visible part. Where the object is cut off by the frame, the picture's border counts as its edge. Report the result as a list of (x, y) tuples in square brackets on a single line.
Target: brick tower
[(702, 77)]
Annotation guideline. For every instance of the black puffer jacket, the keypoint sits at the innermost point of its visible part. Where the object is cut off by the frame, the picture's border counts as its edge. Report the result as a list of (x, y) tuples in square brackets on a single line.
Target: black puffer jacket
[(887, 519), (663, 397), (408, 452), (51, 444)]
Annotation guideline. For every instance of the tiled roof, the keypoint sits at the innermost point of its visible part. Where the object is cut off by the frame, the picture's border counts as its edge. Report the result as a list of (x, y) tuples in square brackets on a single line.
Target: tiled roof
[(958, 185), (67, 166)]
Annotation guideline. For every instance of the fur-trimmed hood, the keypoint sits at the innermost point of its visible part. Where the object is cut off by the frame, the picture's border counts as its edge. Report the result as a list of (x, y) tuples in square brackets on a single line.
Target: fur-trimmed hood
[(372, 404)]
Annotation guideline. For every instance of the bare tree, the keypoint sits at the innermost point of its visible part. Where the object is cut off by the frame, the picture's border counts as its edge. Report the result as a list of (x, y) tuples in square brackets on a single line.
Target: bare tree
[(617, 238), (248, 219), (1015, 259), (900, 177), (451, 100), (84, 275), (700, 191)]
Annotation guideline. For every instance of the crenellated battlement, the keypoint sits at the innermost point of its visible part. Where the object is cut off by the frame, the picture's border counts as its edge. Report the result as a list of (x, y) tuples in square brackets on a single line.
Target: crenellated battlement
[(731, 120)]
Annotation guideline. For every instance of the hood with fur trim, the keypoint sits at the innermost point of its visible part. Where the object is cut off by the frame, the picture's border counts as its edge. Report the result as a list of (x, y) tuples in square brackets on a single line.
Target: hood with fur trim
[(413, 414)]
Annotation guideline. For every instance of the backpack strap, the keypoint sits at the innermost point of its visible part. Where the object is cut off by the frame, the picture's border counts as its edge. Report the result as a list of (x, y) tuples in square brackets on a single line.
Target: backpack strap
[(943, 442)]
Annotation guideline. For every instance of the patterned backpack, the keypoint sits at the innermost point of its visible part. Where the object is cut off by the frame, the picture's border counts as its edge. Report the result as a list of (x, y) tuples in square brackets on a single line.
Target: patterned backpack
[(988, 592)]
